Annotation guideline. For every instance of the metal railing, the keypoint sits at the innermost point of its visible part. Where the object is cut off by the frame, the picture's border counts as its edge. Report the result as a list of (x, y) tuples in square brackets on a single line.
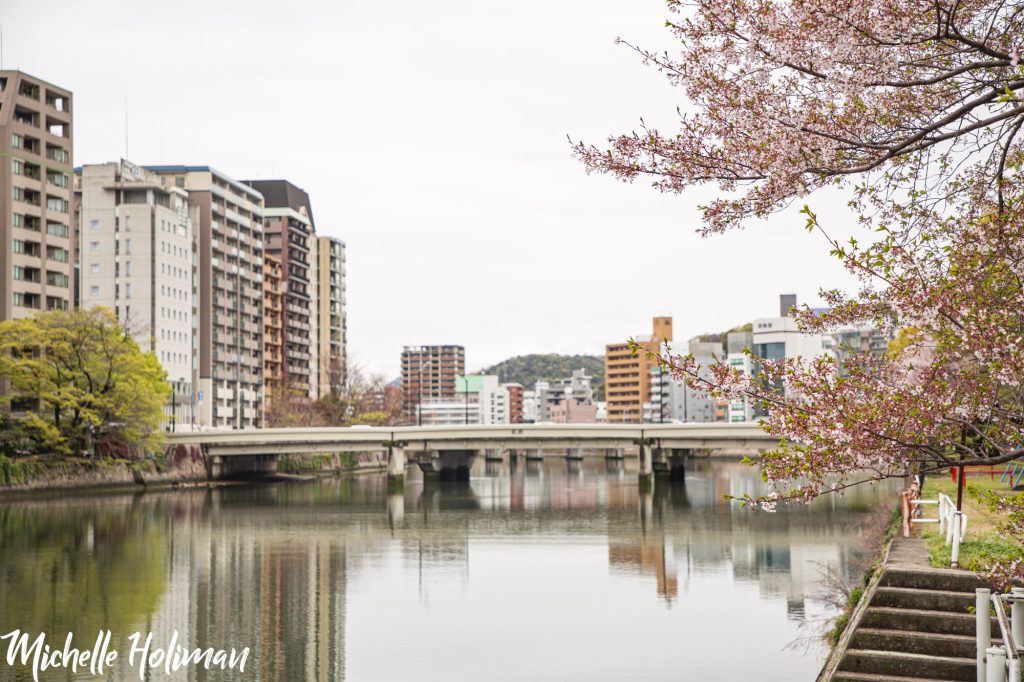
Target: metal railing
[(952, 523), (999, 663)]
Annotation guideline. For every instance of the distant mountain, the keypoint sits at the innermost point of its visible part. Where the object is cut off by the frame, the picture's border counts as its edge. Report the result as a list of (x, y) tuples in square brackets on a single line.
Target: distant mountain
[(529, 369)]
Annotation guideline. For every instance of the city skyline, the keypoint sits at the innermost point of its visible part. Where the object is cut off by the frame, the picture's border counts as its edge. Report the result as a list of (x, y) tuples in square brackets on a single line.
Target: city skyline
[(440, 157)]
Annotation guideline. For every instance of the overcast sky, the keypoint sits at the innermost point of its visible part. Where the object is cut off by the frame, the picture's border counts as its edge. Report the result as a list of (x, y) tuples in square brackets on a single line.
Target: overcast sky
[(431, 137)]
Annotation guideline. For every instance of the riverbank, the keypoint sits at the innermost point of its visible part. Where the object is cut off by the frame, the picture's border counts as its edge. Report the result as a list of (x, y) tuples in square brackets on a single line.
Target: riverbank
[(30, 476)]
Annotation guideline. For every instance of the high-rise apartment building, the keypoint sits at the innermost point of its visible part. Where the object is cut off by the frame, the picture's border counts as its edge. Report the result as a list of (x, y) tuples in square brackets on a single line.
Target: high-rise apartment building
[(291, 237), (627, 377), (137, 257), (330, 318), (230, 284), (37, 260), (273, 330), (429, 372)]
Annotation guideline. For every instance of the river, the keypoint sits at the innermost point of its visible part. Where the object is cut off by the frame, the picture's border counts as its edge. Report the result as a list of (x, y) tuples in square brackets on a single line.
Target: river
[(550, 571)]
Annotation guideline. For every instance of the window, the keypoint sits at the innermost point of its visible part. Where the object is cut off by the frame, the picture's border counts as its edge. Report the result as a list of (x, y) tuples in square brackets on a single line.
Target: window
[(19, 272), (57, 279), (17, 166), (94, 246), (56, 253), (94, 268), (16, 141), (56, 204), (18, 194), (94, 224), (19, 246), (94, 291), (57, 230), (17, 220)]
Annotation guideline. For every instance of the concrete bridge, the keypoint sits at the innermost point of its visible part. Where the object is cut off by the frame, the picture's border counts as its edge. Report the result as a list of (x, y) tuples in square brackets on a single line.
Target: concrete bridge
[(449, 451)]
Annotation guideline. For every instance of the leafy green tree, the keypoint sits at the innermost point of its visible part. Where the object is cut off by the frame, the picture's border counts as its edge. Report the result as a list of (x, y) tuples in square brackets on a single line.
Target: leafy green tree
[(79, 374)]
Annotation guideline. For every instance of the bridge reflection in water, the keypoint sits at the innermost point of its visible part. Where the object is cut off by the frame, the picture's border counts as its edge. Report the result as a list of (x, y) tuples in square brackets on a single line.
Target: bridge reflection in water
[(545, 572)]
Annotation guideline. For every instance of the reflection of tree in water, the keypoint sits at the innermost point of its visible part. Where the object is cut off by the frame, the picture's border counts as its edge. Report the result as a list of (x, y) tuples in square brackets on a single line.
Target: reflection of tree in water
[(73, 569)]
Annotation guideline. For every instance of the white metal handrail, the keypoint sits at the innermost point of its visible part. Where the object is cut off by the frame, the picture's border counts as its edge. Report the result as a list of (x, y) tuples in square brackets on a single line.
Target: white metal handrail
[(999, 663), (952, 523)]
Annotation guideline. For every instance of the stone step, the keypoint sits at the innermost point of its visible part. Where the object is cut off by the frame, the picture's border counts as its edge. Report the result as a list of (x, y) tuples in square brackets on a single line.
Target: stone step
[(846, 676), (926, 600), (923, 578), (928, 643), (909, 665), (917, 620)]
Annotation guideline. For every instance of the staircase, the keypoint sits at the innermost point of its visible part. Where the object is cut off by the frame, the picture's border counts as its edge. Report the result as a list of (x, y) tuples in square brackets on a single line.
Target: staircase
[(917, 626)]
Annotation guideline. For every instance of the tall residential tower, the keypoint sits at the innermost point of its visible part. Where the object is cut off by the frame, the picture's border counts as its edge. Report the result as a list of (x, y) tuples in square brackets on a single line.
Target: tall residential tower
[(230, 285), (37, 260), (330, 318), (428, 373), (291, 236)]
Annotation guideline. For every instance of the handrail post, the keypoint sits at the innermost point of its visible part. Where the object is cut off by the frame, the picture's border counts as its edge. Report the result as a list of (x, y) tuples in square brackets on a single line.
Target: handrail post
[(983, 626), (942, 513), (995, 664), (954, 559), (905, 508), (1017, 614)]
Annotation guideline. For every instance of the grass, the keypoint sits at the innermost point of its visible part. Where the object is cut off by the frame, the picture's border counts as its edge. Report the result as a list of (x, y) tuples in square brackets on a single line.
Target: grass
[(983, 544)]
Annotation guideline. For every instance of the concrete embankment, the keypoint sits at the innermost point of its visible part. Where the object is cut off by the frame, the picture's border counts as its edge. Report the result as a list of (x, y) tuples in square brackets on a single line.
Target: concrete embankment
[(913, 624), (181, 464)]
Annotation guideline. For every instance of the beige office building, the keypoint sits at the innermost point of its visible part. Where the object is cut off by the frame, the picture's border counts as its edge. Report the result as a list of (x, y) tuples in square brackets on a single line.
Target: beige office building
[(137, 257), (627, 378), (37, 259), (230, 283), (331, 315)]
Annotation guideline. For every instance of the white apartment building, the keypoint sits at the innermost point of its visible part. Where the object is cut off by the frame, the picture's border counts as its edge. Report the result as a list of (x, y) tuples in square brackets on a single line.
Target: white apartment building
[(479, 399), (229, 279), (137, 257)]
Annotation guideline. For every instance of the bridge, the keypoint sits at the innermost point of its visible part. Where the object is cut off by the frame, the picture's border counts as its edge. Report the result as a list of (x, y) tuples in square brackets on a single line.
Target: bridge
[(449, 451)]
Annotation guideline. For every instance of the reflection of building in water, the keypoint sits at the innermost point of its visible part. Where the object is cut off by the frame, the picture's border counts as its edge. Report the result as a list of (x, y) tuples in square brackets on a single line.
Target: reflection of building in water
[(784, 553), (647, 557), (292, 617)]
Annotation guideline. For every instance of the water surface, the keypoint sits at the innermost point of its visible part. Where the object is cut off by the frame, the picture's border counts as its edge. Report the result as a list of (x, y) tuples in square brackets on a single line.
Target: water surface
[(552, 571)]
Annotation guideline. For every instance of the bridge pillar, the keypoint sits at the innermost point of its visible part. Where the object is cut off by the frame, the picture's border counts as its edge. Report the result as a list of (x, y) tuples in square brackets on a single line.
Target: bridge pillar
[(573, 453), (396, 463), (613, 453), (493, 455), (534, 454), (646, 471)]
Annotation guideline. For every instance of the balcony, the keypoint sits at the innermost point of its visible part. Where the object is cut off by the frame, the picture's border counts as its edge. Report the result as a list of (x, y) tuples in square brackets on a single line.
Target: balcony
[(57, 154)]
